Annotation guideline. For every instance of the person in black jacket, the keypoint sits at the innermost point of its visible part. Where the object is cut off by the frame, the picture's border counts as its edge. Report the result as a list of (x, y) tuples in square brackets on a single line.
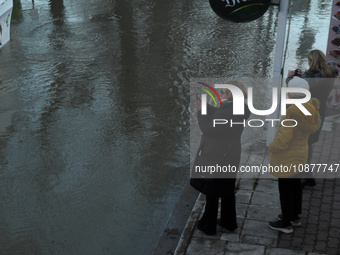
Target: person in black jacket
[(220, 145), (320, 77)]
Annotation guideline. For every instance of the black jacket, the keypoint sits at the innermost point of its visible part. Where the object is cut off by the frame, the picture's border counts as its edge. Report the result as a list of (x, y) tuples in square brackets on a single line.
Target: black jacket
[(320, 88), (220, 145)]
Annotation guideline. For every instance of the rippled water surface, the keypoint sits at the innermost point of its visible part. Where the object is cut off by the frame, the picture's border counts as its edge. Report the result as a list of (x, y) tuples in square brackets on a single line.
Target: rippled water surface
[(94, 113)]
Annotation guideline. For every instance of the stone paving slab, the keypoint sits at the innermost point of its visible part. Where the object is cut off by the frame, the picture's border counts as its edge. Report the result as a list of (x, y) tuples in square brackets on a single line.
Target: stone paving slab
[(244, 196), (258, 228), (200, 246), (241, 210), (244, 249), (279, 251), (256, 212), (231, 237), (272, 241), (246, 184), (265, 185), (266, 199)]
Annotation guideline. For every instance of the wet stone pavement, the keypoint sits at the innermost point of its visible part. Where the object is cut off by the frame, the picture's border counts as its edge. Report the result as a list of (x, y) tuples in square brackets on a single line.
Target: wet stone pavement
[(258, 203)]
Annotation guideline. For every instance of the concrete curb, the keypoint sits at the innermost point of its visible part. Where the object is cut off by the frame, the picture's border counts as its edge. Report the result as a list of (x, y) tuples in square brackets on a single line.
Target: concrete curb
[(190, 225)]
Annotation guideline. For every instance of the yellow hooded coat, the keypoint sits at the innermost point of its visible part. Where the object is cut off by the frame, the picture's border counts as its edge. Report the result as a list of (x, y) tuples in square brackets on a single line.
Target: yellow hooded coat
[(290, 145)]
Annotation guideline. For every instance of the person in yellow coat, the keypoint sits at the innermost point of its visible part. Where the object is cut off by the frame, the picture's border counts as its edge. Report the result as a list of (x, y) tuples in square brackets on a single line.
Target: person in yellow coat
[(290, 148)]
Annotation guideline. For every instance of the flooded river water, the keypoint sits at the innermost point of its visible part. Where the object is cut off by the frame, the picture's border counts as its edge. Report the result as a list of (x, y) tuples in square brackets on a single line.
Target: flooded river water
[(94, 113)]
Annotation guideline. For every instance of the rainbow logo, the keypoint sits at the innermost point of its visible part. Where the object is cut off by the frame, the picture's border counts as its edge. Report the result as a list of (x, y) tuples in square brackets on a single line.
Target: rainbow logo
[(208, 92)]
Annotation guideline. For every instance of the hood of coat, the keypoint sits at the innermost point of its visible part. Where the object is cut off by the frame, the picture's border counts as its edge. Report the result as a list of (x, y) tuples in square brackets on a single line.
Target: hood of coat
[(307, 123)]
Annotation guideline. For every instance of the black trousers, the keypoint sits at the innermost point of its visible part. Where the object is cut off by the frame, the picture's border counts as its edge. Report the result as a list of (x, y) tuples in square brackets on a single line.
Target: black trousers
[(290, 198), (310, 151), (309, 175), (228, 213)]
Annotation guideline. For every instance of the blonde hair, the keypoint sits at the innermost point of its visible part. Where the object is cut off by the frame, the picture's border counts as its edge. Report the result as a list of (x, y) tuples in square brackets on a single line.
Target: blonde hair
[(318, 63), (237, 84)]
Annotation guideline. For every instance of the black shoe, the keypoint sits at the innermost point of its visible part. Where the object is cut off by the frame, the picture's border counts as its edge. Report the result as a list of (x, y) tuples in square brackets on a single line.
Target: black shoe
[(308, 182), (205, 231), (224, 226), (279, 226)]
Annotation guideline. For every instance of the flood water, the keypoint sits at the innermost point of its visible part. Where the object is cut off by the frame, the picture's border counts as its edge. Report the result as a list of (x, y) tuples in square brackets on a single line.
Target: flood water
[(94, 113)]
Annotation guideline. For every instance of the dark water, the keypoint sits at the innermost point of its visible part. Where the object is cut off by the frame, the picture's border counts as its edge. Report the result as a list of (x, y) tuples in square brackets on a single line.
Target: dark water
[(94, 114)]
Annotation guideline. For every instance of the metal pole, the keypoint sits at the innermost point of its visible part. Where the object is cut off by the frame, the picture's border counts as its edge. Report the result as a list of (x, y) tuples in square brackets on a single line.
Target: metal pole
[(278, 60)]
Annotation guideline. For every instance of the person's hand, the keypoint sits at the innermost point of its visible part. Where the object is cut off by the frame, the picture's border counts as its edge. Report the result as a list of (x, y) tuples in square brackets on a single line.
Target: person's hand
[(299, 72), (290, 73), (198, 104)]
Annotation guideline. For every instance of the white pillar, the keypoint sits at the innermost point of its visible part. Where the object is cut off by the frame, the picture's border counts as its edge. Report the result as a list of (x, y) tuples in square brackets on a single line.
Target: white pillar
[(278, 61), (6, 7)]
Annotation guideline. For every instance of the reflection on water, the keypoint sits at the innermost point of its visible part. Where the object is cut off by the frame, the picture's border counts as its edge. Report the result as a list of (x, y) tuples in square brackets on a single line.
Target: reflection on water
[(94, 110)]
